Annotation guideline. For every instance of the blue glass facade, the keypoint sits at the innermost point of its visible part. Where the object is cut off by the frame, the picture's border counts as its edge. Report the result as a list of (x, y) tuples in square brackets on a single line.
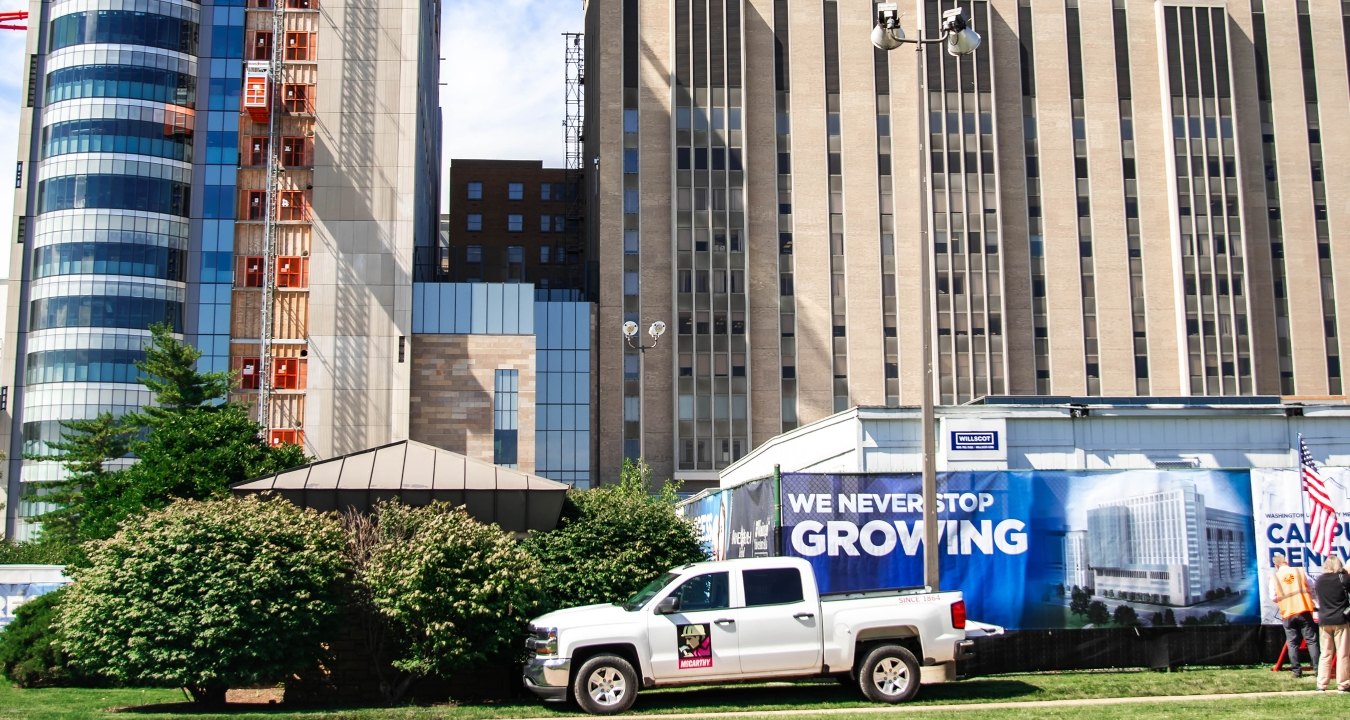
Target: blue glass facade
[(213, 258), (562, 404)]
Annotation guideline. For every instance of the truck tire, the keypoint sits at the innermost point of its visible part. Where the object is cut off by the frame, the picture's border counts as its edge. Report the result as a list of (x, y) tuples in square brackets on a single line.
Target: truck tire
[(605, 685), (889, 674)]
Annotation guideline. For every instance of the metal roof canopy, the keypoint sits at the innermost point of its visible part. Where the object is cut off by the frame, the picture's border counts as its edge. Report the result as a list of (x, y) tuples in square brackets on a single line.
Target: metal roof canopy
[(417, 474)]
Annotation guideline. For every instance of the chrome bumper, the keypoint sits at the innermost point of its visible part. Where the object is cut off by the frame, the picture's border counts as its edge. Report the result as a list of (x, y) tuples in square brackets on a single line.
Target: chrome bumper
[(547, 678)]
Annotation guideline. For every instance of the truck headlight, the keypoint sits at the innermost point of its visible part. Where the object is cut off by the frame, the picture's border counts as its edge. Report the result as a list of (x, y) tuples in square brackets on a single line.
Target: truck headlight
[(543, 641)]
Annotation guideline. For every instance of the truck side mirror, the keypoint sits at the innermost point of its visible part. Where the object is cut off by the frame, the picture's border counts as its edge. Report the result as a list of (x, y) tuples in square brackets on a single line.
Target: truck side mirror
[(668, 605)]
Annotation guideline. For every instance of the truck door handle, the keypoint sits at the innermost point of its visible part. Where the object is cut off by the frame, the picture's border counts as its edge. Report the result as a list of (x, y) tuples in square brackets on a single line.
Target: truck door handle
[(725, 621), (804, 616)]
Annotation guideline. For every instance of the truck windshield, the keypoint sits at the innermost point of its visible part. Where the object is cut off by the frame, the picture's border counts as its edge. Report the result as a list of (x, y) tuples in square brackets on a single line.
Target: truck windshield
[(646, 593)]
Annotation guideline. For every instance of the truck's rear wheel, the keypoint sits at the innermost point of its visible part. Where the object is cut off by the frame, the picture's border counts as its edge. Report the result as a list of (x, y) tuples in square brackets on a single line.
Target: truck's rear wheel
[(889, 674), (604, 685)]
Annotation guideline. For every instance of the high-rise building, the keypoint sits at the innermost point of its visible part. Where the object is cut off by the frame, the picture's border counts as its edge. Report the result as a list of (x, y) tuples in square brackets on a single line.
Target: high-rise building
[(257, 177), (1116, 198)]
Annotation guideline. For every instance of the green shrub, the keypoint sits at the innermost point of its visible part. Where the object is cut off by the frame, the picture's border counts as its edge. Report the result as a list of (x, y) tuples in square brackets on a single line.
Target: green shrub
[(37, 552), (30, 650), (455, 593), (613, 540), (207, 595)]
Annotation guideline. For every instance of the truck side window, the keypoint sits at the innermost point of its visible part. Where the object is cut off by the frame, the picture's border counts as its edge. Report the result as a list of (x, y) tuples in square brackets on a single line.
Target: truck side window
[(772, 586), (704, 592)]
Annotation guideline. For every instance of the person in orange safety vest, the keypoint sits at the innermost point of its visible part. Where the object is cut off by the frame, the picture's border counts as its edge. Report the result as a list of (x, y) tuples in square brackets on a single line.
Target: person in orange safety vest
[(1295, 602)]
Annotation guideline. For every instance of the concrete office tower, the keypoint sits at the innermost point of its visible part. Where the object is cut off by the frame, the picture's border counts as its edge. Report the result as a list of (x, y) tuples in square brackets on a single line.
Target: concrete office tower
[(138, 202), (1117, 198)]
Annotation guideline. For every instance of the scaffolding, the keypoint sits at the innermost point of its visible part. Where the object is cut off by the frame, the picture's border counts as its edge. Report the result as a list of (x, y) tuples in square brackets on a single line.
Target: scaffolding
[(574, 140), (273, 230)]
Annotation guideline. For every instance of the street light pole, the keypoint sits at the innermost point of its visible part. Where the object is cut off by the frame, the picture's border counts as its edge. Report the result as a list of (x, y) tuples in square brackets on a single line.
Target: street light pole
[(960, 39), (630, 331)]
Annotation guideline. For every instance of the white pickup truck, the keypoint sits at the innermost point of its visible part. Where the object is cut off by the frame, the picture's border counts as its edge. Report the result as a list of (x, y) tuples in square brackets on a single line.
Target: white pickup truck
[(744, 620)]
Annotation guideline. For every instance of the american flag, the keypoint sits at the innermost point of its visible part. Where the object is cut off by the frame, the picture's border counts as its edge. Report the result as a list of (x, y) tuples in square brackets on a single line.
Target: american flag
[(1323, 518)]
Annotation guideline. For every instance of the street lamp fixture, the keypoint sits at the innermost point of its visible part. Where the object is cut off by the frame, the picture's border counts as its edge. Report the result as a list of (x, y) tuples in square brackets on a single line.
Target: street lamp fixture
[(955, 32), (630, 331)]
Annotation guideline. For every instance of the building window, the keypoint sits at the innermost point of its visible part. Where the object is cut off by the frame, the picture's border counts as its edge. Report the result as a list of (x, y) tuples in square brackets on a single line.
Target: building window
[(292, 271), (257, 151), (545, 223), (248, 373), (544, 251), (474, 191), (473, 254), (294, 152), (299, 46), (253, 271), (474, 222), (297, 97), (505, 418), (288, 373), (257, 203), (292, 205), (515, 191), (262, 45), (288, 436), (515, 253), (546, 191), (515, 222)]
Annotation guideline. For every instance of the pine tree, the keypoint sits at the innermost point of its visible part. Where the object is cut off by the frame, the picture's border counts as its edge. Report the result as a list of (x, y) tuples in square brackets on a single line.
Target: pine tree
[(170, 372), (84, 449)]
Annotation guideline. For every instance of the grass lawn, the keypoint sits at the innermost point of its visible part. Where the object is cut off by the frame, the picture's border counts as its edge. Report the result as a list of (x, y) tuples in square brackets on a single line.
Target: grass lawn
[(63, 704)]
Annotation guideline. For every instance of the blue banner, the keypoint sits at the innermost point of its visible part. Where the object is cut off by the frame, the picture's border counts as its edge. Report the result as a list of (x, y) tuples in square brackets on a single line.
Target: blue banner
[(1040, 549)]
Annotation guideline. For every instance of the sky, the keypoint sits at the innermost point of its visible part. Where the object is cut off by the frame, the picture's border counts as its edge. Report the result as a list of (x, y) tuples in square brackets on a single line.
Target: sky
[(502, 85)]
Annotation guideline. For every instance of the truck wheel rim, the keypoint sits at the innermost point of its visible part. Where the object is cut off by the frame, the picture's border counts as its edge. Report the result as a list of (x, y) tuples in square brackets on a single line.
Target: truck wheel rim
[(606, 686), (891, 676)]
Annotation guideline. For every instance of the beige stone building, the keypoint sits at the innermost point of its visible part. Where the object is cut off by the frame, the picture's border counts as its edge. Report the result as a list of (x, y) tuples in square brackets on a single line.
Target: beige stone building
[(1117, 198)]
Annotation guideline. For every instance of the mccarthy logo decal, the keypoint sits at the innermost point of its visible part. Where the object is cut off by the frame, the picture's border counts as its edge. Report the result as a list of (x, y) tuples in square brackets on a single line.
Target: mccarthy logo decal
[(695, 646)]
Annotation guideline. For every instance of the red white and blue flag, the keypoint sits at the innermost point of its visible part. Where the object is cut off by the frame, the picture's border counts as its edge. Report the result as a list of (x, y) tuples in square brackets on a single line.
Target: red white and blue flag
[(1322, 515)]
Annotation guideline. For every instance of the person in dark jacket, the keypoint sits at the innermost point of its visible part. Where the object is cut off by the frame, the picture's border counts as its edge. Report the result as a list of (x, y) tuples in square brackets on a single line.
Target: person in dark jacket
[(1333, 604)]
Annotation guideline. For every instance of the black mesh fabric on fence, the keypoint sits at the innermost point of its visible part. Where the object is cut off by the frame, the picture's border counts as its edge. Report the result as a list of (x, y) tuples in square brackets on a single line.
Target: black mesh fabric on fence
[(1096, 649)]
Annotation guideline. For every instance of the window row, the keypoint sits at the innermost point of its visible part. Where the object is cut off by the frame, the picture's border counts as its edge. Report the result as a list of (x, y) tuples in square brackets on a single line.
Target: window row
[(117, 135), (292, 4), (115, 192), (105, 311), (108, 258), (292, 205), (287, 373), (295, 152), (84, 365), (290, 271), (122, 81), (125, 27), (515, 222), (300, 46), (551, 191)]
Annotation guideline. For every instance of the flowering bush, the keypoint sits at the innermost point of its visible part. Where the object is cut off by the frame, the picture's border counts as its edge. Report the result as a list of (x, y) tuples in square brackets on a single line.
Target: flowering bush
[(206, 595)]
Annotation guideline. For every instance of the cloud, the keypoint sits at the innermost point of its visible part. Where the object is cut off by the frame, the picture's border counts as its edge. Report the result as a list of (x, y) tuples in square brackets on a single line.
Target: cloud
[(504, 78)]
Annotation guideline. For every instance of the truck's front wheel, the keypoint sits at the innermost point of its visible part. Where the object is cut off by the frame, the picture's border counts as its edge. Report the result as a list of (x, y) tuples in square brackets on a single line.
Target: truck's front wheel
[(604, 685), (889, 674)]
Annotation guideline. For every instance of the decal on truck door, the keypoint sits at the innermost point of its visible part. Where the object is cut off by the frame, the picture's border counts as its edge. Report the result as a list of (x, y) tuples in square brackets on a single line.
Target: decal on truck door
[(695, 646)]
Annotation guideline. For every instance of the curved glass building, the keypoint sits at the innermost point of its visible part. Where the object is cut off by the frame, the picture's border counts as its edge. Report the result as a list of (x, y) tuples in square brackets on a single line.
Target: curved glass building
[(108, 229), (139, 200)]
